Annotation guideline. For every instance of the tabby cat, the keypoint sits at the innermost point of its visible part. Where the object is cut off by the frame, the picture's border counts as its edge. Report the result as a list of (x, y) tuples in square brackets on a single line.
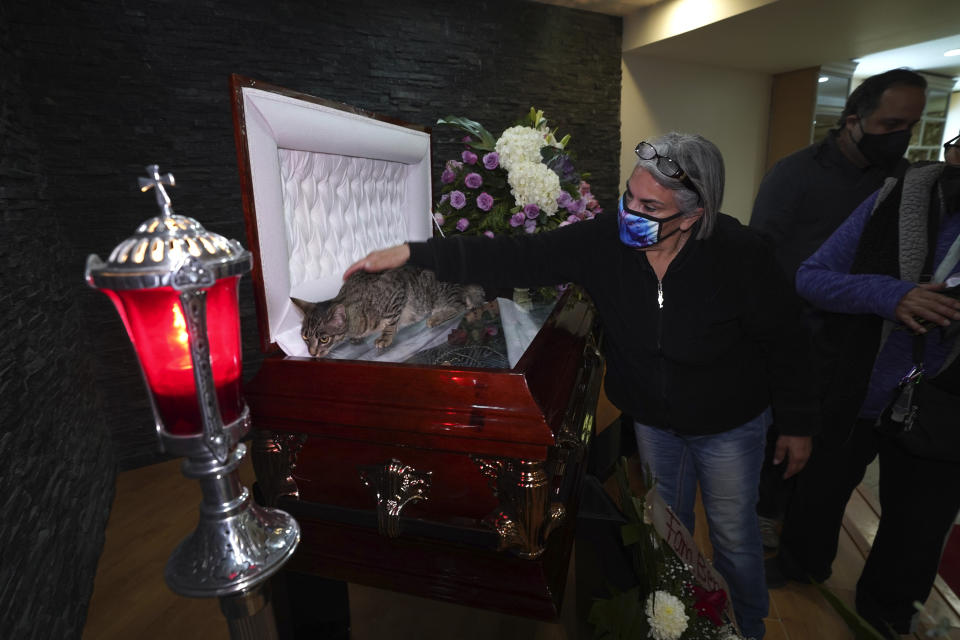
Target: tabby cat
[(384, 302)]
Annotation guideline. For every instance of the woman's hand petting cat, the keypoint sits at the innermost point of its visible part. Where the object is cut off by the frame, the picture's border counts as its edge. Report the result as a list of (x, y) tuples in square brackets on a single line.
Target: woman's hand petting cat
[(381, 260)]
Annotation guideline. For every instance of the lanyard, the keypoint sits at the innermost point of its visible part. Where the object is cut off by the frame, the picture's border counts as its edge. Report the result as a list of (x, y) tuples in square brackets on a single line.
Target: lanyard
[(949, 261)]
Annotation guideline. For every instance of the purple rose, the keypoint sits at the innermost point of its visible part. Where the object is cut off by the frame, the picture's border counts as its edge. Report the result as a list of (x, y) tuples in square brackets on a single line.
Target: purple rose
[(491, 160), (564, 199), (517, 219), (484, 201), (488, 233), (531, 211), (473, 180), (457, 199), (469, 157), (448, 176), (462, 224), (530, 226), (577, 206), (466, 139), (439, 218)]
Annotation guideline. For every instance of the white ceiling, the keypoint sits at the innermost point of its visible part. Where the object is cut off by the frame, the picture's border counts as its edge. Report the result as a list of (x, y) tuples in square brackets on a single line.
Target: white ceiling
[(924, 56), (795, 34)]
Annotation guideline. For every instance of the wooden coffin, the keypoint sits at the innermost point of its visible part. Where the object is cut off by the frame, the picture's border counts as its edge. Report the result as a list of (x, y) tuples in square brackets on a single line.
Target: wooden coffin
[(457, 483)]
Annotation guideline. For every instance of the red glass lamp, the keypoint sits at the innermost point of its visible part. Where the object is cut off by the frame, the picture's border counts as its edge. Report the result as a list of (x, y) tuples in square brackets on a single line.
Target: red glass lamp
[(175, 286), (171, 282), (157, 327)]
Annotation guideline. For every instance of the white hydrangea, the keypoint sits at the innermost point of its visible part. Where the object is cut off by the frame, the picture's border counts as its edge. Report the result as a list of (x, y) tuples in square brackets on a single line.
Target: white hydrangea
[(534, 183), (519, 144), (666, 616)]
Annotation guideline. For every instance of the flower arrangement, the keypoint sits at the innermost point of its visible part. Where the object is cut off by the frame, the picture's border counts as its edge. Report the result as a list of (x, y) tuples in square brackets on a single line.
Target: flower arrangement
[(522, 182), (667, 603)]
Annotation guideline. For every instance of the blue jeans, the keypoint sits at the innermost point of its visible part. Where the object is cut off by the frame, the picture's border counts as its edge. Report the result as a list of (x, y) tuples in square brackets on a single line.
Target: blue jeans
[(727, 466)]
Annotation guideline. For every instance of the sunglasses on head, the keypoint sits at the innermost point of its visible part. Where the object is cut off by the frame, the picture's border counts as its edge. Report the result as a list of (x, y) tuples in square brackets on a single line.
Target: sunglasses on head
[(667, 166), (953, 142)]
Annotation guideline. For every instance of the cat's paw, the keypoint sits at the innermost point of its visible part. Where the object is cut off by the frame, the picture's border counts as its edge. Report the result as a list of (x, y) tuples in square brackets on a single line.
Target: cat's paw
[(383, 342)]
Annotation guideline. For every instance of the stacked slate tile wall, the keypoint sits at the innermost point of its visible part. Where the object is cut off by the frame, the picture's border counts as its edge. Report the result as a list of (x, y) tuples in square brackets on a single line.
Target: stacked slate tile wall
[(93, 90), (56, 460)]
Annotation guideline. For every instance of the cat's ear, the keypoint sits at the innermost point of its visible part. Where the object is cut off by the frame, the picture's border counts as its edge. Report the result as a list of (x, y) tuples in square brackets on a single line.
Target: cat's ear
[(338, 317), (304, 306)]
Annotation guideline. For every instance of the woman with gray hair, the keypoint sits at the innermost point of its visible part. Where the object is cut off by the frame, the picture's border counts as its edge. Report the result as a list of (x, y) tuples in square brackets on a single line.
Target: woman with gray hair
[(702, 336)]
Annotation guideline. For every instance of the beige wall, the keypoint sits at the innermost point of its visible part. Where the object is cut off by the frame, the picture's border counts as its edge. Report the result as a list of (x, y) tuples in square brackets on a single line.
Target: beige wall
[(727, 106)]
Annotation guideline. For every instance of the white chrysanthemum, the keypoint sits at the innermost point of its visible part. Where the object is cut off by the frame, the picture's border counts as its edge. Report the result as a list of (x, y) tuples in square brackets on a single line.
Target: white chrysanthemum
[(666, 616), (534, 183), (519, 144)]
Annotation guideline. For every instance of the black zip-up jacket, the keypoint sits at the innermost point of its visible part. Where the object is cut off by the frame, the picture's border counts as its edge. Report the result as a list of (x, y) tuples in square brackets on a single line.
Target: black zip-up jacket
[(805, 197), (726, 343)]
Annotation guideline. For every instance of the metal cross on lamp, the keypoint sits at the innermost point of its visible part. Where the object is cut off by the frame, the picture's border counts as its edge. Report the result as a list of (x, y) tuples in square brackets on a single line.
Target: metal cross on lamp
[(175, 286)]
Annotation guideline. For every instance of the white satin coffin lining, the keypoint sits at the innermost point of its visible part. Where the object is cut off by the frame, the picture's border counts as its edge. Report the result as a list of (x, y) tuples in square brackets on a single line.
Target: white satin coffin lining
[(335, 208)]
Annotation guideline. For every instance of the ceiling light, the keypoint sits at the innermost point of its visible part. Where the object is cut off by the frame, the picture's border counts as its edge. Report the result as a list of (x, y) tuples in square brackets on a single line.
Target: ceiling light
[(823, 79), (952, 52)]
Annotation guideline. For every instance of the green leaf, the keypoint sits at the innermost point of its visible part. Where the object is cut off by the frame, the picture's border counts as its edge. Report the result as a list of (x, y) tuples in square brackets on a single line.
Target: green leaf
[(490, 221), (633, 533), (623, 484), (620, 617), (487, 141), (861, 629), (548, 153)]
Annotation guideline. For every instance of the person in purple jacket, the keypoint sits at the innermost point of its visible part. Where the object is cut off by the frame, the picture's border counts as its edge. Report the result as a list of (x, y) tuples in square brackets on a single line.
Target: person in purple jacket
[(868, 273)]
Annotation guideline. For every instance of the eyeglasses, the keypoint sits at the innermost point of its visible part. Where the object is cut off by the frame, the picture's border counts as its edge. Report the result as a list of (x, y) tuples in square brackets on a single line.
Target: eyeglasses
[(666, 166), (953, 142)]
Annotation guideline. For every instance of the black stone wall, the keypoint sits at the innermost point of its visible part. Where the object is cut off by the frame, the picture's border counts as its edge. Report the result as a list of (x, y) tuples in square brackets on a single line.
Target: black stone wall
[(56, 461)]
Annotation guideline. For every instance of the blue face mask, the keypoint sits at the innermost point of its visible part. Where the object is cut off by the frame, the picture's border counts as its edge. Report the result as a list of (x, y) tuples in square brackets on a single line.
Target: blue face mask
[(639, 230)]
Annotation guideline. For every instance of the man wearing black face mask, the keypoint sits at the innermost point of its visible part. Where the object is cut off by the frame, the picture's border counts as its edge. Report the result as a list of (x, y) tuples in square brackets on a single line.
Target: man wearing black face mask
[(806, 196)]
